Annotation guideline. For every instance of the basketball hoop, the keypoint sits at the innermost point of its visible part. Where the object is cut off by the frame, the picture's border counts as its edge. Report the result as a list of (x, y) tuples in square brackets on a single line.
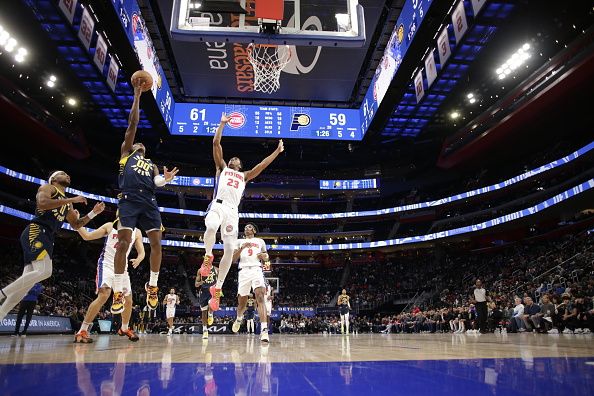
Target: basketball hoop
[(268, 61)]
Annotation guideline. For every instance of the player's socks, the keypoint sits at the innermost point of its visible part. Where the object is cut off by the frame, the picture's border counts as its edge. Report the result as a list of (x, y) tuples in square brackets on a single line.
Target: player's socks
[(84, 326), (154, 278), (124, 327)]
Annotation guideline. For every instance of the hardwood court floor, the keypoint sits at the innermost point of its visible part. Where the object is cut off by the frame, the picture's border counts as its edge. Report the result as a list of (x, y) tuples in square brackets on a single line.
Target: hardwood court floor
[(301, 364)]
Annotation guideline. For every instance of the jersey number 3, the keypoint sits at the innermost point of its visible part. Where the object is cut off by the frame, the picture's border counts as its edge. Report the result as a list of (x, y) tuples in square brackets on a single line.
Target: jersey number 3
[(233, 183)]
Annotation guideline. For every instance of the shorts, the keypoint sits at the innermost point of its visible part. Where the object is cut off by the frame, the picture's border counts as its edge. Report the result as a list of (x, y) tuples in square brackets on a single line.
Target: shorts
[(250, 315), (228, 218), (35, 240), (138, 214), (344, 311), (106, 276), (170, 313), (204, 298), (249, 278)]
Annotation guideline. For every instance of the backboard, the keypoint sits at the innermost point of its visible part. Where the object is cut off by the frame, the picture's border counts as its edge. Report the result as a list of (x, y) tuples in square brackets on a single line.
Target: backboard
[(337, 23)]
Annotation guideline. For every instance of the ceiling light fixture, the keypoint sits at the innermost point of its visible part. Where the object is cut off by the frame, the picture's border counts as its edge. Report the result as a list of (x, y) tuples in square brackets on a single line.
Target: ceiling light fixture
[(516, 60)]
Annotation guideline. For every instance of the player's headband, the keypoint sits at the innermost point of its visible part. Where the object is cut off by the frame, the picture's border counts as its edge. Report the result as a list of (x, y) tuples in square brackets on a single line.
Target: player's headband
[(53, 175)]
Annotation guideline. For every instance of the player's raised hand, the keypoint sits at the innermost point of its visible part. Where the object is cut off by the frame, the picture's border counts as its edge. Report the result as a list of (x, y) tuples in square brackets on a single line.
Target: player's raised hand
[(99, 207), (169, 175), (79, 199), (281, 146), (225, 119)]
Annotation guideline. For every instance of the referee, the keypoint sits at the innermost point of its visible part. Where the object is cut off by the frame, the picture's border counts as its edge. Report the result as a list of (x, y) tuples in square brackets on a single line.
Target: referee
[(480, 297), (27, 306)]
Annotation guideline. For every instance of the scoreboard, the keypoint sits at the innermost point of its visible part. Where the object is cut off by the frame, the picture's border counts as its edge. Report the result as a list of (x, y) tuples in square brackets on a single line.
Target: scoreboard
[(192, 181), (194, 119), (357, 184)]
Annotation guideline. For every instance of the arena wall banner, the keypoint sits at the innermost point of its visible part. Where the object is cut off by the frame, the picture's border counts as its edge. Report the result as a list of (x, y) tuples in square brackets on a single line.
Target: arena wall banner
[(565, 195), (38, 325), (276, 313), (340, 215)]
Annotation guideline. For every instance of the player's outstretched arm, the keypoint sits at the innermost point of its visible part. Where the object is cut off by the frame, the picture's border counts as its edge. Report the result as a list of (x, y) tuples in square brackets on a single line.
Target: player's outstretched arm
[(217, 149), (139, 246), (133, 119), (253, 173), (100, 232), (45, 201), (73, 217)]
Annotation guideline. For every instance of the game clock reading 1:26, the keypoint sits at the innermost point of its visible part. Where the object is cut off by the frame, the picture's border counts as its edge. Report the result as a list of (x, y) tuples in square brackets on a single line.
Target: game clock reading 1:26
[(267, 121)]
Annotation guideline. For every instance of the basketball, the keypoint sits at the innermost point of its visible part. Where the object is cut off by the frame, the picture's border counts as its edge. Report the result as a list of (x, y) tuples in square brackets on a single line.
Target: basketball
[(145, 77)]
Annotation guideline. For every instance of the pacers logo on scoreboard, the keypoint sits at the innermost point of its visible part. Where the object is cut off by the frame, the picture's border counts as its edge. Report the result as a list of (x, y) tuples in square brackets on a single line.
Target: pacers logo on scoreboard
[(300, 120)]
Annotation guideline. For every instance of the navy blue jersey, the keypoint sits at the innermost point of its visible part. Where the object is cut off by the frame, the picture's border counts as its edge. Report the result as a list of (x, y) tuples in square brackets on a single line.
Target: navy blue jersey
[(52, 219), (136, 175), (251, 309)]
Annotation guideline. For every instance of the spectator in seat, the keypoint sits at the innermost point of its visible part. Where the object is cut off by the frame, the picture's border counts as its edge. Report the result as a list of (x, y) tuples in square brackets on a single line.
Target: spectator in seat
[(530, 309), (543, 320), (516, 322)]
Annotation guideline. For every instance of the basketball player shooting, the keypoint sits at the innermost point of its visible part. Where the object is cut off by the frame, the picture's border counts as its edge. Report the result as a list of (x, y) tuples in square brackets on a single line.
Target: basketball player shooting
[(137, 207), (223, 210)]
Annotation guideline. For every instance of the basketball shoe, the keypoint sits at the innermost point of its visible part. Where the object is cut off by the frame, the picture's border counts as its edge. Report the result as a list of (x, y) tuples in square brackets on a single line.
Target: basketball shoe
[(206, 265), (117, 305), (213, 303), (82, 337), (152, 297), (129, 333)]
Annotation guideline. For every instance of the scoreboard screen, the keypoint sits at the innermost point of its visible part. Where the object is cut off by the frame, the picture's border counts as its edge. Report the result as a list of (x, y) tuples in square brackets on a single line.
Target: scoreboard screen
[(193, 181), (357, 184), (194, 119)]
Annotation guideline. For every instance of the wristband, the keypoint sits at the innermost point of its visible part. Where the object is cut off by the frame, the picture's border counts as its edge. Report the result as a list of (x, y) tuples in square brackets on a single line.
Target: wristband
[(91, 215), (160, 181)]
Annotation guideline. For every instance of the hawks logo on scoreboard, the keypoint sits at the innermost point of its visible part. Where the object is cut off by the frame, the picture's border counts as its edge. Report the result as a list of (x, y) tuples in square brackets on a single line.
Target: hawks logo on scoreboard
[(300, 120), (237, 120)]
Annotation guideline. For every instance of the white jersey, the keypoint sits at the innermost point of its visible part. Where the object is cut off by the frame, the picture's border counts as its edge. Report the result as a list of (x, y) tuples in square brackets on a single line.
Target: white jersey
[(230, 187), (171, 300), (249, 255), (107, 257)]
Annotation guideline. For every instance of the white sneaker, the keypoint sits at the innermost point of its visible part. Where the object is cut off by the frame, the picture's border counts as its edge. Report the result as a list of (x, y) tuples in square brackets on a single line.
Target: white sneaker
[(205, 335), (553, 331), (586, 331), (170, 332), (567, 331), (236, 326), (579, 331), (264, 337), (521, 330)]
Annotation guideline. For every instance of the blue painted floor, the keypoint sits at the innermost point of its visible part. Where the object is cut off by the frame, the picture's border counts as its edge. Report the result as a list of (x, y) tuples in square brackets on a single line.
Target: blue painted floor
[(537, 376)]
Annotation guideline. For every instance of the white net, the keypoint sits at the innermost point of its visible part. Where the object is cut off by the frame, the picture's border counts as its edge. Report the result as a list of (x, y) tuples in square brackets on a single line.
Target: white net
[(268, 61)]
